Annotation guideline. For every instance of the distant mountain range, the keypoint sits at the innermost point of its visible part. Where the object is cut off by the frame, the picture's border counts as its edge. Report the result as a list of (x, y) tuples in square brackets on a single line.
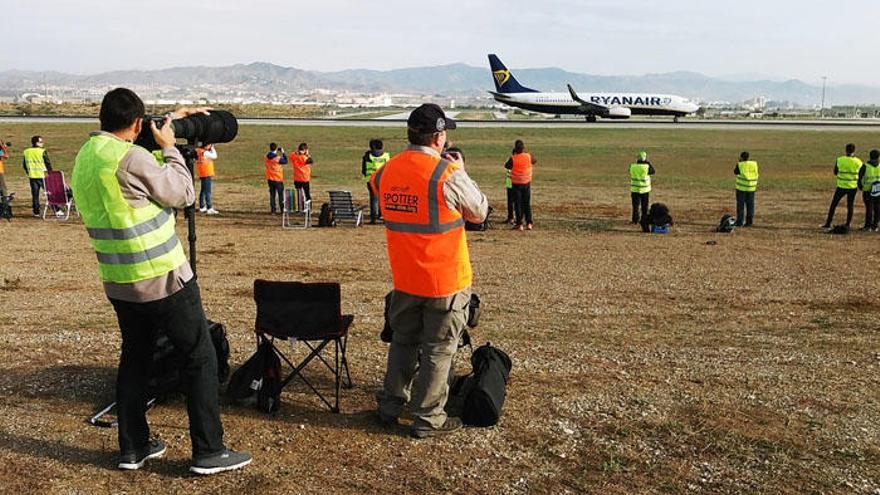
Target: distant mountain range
[(446, 80)]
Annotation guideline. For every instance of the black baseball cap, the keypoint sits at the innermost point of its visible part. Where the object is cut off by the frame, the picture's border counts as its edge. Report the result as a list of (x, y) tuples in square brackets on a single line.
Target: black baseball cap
[(428, 119)]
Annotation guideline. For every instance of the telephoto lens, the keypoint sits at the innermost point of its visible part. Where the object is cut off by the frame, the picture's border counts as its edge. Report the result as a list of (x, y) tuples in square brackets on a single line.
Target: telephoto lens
[(219, 126)]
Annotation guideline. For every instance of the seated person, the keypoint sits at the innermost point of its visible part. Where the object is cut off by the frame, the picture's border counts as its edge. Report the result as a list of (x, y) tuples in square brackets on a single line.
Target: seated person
[(658, 219)]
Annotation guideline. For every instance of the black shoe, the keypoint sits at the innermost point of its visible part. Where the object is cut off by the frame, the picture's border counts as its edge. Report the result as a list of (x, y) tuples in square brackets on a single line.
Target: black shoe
[(225, 461), (865, 228), (451, 424), (748, 224), (130, 461), (737, 224), (825, 226)]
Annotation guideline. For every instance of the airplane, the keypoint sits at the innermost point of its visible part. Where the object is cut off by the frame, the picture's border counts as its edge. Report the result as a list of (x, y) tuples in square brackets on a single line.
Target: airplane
[(605, 105)]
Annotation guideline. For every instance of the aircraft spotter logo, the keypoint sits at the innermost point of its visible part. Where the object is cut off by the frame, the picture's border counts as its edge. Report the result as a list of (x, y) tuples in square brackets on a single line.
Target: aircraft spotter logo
[(501, 76)]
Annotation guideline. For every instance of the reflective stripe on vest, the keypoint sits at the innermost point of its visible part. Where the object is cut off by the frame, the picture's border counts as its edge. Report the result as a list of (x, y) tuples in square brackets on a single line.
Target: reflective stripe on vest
[(274, 170), (302, 171), (427, 247), (639, 180), (747, 178), (374, 163), (848, 172), (872, 175), (33, 159), (131, 244), (521, 172)]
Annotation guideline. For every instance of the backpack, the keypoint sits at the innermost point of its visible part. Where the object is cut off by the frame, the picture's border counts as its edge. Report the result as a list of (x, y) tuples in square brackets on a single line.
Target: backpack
[(167, 362), (325, 218), (258, 380), (727, 224), (479, 397), (6, 206)]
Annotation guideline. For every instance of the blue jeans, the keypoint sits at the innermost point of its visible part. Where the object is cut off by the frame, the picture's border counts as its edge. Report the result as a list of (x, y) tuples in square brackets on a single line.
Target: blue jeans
[(276, 188), (205, 193), (745, 200), (374, 205), (36, 185)]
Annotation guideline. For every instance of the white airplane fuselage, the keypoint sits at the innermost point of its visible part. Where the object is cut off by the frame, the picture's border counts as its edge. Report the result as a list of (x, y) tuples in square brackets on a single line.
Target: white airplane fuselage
[(637, 103)]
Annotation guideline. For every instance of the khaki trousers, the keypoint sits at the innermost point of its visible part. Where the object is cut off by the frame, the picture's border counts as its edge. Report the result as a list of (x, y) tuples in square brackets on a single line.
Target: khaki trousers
[(426, 335)]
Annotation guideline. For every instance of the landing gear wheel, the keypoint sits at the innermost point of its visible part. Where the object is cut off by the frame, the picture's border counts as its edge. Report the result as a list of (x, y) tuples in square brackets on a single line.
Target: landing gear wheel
[(591, 118), (675, 119)]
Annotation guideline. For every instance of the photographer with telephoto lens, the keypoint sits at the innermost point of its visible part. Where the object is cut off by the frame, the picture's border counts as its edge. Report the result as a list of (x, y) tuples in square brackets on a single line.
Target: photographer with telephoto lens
[(125, 197)]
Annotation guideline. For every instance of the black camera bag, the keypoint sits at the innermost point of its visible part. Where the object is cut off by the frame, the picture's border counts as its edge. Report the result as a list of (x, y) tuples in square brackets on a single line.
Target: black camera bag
[(325, 218), (258, 380), (484, 391)]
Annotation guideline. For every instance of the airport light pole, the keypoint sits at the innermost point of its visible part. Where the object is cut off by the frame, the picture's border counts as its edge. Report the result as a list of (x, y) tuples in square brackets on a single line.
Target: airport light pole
[(822, 108)]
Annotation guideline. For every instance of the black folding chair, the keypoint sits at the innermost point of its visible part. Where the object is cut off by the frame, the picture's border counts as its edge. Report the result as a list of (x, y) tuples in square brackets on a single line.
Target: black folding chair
[(310, 313)]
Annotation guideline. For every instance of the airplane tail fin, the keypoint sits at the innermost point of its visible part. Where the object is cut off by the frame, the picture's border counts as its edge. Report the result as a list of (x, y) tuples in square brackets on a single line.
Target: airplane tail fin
[(504, 80)]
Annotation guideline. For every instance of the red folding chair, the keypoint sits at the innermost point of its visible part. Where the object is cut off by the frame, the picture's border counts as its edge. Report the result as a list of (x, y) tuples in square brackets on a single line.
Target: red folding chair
[(309, 313), (57, 195)]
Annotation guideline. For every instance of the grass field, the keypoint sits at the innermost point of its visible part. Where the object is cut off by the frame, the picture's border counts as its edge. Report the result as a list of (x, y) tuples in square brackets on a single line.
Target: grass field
[(642, 364)]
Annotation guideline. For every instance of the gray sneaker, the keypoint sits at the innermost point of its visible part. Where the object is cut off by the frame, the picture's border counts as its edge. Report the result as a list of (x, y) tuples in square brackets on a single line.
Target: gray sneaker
[(130, 461), (451, 424), (225, 461)]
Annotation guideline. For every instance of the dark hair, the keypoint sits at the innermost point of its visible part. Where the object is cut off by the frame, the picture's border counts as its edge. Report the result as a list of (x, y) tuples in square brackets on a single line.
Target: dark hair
[(273, 146), (850, 148), (456, 149), (302, 146), (744, 155), (120, 108), (875, 154), (34, 140), (518, 146), (419, 139), (376, 144)]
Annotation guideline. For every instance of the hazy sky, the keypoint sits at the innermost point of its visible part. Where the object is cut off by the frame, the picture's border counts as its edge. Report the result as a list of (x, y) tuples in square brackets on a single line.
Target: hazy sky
[(783, 39)]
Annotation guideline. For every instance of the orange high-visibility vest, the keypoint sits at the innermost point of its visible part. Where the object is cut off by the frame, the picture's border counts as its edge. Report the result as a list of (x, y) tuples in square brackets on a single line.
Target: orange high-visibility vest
[(204, 166), (302, 171), (427, 248), (2, 168), (521, 173), (274, 171)]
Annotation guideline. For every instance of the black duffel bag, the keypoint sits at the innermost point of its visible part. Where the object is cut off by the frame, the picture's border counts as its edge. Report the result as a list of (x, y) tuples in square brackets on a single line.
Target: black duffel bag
[(482, 393)]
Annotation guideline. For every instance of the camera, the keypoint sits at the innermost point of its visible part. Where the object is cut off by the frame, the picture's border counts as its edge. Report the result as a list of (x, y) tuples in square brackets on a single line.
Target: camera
[(217, 127)]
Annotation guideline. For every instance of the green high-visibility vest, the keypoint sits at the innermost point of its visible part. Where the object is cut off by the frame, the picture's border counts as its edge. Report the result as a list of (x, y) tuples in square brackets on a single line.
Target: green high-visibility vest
[(747, 178), (639, 180), (508, 182), (36, 165), (374, 162), (848, 172), (872, 175), (132, 244)]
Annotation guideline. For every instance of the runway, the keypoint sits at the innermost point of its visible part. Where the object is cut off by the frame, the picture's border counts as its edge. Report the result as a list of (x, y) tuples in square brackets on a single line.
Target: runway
[(399, 121)]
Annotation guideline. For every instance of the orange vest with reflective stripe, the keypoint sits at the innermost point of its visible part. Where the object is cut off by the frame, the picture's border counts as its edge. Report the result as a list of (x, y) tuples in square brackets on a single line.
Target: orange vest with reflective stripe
[(2, 169), (427, 247), (204, 166), (274, 171), (302, 171), (521, 173)]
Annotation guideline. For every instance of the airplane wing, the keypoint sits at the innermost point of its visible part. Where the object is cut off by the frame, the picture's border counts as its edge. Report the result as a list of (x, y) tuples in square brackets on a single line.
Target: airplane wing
[(586, 105)]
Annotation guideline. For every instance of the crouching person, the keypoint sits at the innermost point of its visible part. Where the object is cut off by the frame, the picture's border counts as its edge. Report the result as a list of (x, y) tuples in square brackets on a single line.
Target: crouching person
[(425, 200), (126, 198)]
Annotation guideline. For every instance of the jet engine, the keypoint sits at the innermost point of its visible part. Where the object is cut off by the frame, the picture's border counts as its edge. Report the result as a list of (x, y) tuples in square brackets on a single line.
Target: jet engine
[(618, 113)]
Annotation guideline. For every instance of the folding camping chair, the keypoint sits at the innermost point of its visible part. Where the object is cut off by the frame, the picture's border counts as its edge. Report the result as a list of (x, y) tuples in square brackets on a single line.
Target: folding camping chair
[(57, 196), (295, 203), (344, 209), (309, 313)]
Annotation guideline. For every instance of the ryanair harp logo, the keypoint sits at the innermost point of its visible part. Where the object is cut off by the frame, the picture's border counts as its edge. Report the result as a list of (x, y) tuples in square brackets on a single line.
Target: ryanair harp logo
[(501, 76)]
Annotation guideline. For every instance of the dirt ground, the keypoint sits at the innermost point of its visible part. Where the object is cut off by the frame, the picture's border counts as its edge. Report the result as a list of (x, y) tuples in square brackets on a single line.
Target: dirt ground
[(693, 362)]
